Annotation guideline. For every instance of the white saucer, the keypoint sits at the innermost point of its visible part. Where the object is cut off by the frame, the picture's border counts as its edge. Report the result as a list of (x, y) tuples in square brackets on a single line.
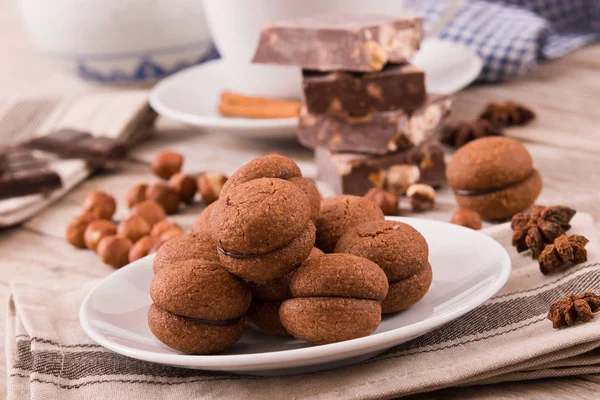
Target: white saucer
[(191, 96), (468, 268)]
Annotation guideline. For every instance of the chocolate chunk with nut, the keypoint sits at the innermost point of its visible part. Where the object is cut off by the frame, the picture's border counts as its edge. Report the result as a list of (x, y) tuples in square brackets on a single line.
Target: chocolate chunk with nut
[(353, 173), (379, 132), (343, 93), (340, 42)]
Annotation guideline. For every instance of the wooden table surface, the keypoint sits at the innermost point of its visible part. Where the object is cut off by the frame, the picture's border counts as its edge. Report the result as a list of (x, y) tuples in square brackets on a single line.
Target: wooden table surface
[(564, 143)]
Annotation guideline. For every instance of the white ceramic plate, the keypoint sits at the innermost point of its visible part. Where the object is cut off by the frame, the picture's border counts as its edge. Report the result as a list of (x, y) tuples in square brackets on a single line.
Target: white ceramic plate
[(468, 268), (191, 96)]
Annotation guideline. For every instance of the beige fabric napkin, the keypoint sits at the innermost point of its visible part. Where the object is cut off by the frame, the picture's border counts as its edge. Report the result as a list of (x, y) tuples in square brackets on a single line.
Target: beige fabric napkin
[(507, 338), (121, 115)]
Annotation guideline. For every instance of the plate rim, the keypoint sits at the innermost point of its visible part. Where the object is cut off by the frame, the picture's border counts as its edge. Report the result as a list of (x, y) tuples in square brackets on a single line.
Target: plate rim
[(221, 123), (206, 121), (306, 355), (476, 67)]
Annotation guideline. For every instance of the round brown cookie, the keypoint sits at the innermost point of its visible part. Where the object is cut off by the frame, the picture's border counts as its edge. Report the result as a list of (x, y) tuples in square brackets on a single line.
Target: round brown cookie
[(201, 223), (498, 173), (269, 166), (193, 336), (185, 247), (315, 253), (263, 316), (272, 264), (322, 320), (277, 289), (339, 275), (311, 191), (404, 293), (503, 204), (398, 248), (200, 289), (489, 162), (259, 216), (340, 213)]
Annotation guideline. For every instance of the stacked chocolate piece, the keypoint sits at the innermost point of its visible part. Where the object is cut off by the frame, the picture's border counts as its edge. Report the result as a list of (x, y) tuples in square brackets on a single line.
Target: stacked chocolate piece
[(366, 108), (27, 168), (22, 174)]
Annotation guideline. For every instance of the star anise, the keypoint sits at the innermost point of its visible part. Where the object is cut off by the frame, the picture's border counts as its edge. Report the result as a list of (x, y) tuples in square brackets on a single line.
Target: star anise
[(544, 224), (507, 113), (565, 251), (573, 308), (457, 134)]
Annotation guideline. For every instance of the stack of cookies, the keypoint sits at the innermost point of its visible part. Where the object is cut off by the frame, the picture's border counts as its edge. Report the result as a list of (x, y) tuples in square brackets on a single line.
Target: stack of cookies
[(256, 258), (366, 108)]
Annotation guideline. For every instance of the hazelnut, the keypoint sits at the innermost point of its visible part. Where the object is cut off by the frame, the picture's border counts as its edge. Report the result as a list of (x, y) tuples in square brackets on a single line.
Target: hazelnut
[(164, 237), (387, 201), (114, 250), (150, 210), (101, 204), (166, 164), (136, 195), (467, 218), (185, 185), (399, 177), (210, 185), (96, 231), (141, 248), (164, 226), (75, 229), (164, 195), (133, 228), (421, 197)]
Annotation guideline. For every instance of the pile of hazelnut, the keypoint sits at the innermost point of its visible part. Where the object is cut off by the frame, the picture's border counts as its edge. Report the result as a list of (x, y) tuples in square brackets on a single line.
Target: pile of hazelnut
[(401, 180), (146, 228)]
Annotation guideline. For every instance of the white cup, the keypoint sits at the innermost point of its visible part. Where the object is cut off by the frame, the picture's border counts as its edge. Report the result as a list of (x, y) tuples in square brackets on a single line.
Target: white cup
[(113, 41), (235, 27)]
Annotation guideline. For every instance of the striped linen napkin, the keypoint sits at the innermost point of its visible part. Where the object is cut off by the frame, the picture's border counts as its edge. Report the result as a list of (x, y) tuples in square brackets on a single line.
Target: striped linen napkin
[(507, 338), (123, 115)]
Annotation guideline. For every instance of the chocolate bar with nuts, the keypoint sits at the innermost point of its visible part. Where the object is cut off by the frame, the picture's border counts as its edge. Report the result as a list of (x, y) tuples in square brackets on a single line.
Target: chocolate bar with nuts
[(340, 42), (24, 174), (99, 152), (351, 173), (343, 93), (375, 133)]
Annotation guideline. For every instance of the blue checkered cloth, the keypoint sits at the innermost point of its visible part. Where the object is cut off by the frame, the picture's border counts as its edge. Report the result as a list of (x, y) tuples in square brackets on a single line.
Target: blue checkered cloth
[(513, 36)]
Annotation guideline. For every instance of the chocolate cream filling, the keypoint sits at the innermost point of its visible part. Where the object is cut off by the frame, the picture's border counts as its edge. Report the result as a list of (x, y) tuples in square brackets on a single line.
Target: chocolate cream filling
[(466, 192), (225, 322), (245, 256)]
